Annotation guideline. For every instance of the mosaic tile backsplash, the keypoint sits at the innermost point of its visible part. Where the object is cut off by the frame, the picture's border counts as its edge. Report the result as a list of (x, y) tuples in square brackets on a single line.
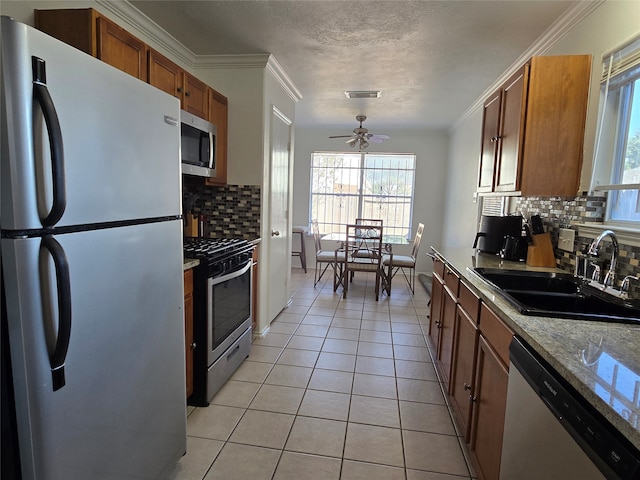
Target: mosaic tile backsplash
[(557, 212), (230, 211)]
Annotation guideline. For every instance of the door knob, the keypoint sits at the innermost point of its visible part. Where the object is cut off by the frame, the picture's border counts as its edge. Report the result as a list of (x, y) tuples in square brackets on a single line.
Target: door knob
[(275, 233)]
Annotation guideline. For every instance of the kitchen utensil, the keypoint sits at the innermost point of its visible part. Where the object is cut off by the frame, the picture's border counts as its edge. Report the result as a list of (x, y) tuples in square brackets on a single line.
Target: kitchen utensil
[(493, 228), (536, 225)]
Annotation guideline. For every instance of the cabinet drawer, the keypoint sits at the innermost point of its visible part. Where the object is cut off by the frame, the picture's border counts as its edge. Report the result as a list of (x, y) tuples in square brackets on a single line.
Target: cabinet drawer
[(451, 280), (469, 301), (438, 267), (498, 335)]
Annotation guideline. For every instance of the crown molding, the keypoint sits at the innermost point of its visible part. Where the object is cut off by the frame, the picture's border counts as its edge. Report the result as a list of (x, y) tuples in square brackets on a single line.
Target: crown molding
[(274, 67), (558, 30), (138, 21)]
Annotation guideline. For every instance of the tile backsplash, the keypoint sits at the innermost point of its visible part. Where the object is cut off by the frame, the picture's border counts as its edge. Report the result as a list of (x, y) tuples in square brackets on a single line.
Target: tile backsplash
[(557, 212), (230, 211)]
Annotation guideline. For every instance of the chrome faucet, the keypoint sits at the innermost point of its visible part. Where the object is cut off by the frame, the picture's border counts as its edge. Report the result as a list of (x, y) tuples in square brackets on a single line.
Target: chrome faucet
[(609, 278)]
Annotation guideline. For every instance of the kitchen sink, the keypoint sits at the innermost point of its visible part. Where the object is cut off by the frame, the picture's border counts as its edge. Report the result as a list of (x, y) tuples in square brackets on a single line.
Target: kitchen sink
[(563, 295)]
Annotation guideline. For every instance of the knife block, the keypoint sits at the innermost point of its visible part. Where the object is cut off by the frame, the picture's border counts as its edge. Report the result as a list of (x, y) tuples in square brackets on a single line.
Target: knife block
[(541, 254), (191, 225)]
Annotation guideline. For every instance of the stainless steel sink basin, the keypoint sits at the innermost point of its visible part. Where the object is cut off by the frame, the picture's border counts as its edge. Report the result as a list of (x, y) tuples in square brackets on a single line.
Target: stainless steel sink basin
[(563, 295)]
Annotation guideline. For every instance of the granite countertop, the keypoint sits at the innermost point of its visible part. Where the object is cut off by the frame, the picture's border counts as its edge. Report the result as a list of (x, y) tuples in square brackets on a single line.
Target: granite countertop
[(190, 263), (608, 382)]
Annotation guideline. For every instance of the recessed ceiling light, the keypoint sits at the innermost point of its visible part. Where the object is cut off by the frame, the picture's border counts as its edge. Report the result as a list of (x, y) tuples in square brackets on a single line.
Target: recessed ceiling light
[(363, 93)]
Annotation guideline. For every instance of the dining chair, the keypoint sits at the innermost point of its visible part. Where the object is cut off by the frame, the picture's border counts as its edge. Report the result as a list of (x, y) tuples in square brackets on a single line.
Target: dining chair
[(322, 256), (363, 249), (395, 263), (348, 258)]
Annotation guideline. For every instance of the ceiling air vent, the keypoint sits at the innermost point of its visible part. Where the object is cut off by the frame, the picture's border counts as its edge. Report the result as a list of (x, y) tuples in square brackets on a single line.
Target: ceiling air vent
[(363, 93)]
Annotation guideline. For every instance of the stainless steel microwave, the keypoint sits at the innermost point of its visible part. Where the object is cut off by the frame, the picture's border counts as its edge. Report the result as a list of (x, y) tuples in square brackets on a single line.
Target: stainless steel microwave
[(197, 145)]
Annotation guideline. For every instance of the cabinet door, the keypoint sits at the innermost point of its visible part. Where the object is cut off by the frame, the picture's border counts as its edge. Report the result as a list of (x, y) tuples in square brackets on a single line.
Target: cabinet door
[(120, 49), (218, 115), (196, 97), (164, 74), (462, 375), (188, 329), (447, 331), (489, 404), (490, 138), (437, 291), (514, 97)]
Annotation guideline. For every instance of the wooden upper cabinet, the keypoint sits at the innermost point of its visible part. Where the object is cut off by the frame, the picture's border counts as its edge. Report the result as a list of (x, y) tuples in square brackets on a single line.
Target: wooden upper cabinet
[(537, 143), (98, 36), (218, 115), (170, 78)]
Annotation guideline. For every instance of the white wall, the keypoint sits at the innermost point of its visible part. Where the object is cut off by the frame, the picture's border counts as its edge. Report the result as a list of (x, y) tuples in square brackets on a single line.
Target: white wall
[(431, 149), (607, 26)]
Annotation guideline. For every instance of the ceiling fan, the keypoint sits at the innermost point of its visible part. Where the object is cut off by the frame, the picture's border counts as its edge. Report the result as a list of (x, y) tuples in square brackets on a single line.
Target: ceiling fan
[(361, 136)]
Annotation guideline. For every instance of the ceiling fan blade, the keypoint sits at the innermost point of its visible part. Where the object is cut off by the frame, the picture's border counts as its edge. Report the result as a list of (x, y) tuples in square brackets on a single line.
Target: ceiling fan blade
[(375, 140), (341, 136)]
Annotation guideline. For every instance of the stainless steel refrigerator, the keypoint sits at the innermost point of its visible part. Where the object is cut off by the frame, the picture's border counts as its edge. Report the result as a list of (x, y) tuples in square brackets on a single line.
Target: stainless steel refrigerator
[(91, 251)]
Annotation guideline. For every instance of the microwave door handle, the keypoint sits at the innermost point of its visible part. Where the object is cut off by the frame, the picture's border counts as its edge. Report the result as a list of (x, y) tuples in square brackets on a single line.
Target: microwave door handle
[(211, 148)]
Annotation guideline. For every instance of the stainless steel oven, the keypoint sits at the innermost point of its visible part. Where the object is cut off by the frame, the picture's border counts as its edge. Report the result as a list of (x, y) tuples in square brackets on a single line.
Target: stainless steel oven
[(222, 312)]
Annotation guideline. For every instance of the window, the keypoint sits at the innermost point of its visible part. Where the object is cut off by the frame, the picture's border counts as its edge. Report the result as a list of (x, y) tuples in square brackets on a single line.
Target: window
[(618, 143), (346, 186)]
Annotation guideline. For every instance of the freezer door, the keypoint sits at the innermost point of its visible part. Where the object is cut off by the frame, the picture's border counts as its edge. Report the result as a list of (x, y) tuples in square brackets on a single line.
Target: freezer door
[(120, 412), (81, 139)]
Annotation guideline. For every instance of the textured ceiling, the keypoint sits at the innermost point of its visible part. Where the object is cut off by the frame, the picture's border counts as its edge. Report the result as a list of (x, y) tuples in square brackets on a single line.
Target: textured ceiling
[(431, 59)]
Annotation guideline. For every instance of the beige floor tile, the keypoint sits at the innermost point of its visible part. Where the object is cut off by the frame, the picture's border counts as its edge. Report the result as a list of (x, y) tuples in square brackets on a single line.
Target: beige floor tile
[(298, 358), (373, 444), (368, 471), (335, 345), (305, 343), (215, 422), (411, 328), (244, 461), (374, 386), (420, 475), (324, 320), (353, 323), (252, 371), (375, 366), (297, 308), (375, 349), (287, 317), (264, 353), (236, 394), (282, 327), (321, 311), (408, 339), (415, 370), (343, 333), (301, 466), (318, 436), (312, 330), (331, 381), (201, 453), (376, 316), (420, 391), (289, 376), (375, 325), (325, 302), (331, 405), (273, 339), (263, 429), (434, 453), (349, 311), (375, 336), (426, 417), (406, 352), (276, 398), (374, 411), (336, 361)]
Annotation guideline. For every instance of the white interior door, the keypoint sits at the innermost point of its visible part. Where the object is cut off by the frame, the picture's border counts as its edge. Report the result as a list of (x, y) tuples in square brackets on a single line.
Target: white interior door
[(279, 240)]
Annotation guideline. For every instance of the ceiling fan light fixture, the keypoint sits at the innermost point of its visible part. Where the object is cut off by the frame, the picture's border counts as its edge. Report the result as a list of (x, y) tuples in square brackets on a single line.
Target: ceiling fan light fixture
[(364, 143), (363, 93), (352, 142)]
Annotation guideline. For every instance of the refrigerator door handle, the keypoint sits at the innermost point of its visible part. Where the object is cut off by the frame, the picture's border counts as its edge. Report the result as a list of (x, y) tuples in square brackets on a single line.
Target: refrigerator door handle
[(42, 96), (59, 355)]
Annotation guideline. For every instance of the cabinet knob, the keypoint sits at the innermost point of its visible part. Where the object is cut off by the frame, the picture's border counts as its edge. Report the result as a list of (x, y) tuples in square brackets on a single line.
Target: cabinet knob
[(275, 233), (467, 387), (187, 93), (193, 346), (438, 324), (496, 138), (473, 399), (179, 89)]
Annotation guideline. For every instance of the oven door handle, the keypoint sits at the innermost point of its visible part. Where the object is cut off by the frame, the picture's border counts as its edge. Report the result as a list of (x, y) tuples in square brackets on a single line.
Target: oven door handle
[(229, 276)]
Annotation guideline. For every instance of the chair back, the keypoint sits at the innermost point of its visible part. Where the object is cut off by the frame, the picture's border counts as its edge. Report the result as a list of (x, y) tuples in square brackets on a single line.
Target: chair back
[(416, 240), (369, 221), (361, 238), (316, 235)]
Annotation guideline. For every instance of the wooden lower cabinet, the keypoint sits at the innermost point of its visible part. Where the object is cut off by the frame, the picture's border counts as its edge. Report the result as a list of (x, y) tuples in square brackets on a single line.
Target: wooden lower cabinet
[(437, 290), (489, 405), (447, 331), (188, 329)]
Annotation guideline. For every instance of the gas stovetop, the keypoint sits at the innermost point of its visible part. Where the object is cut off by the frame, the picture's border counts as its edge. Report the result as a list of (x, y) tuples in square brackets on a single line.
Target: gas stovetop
[(209, 248)]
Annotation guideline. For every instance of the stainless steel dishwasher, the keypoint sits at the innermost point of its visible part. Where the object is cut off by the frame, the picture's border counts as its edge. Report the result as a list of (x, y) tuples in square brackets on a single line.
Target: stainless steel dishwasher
[(552, 433)]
